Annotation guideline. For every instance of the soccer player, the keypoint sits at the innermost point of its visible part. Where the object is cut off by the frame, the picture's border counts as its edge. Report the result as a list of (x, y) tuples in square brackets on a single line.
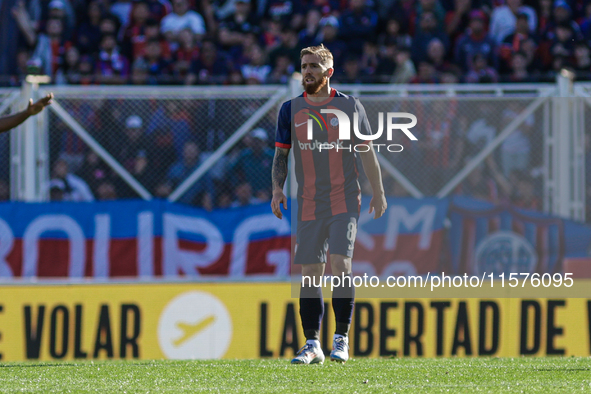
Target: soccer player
[(11, 121), (329, 198)]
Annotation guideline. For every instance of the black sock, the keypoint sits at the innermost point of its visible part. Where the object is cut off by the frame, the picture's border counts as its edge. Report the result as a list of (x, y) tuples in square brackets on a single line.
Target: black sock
[(343, 300), (311, 311)]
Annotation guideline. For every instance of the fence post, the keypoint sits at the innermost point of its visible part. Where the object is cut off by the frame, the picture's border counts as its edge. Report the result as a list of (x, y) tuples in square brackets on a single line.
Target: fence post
[(568, 199), (30, 155)]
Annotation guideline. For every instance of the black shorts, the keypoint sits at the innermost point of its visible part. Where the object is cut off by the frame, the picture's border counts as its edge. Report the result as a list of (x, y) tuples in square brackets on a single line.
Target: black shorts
[(315, 237)]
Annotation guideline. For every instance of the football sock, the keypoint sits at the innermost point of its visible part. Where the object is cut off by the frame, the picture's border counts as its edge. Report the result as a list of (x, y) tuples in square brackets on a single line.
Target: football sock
[(343, 300), (311, 311)]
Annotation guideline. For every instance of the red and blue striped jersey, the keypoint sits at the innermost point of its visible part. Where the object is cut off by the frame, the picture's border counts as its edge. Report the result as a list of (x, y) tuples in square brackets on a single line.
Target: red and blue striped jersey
[(327, 178)]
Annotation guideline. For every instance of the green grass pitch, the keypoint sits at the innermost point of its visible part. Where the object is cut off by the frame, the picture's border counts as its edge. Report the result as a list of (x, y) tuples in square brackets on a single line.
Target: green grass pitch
[(455, 375)]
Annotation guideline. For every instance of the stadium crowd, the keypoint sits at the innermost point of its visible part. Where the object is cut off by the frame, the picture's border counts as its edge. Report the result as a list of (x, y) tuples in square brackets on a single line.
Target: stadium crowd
[(200, 42), (258, 41)]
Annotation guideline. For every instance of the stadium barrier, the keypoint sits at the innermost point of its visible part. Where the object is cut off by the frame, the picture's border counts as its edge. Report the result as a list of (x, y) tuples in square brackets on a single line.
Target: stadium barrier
[(536, 130), (249, 321)]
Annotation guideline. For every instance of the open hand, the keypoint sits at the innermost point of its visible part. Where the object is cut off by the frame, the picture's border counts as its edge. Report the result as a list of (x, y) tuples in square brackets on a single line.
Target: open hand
[(378, 204), (278, 199), (34, 109)]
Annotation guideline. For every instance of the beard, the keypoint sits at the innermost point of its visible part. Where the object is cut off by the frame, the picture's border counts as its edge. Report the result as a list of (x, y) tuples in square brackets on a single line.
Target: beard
[(314, 87)]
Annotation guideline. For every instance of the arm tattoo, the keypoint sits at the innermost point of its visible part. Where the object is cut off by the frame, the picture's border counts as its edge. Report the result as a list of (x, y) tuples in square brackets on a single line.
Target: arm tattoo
[(280, 168)]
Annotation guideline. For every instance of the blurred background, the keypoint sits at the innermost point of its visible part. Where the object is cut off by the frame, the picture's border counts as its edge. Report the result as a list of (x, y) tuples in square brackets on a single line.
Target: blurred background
[(154, 162)]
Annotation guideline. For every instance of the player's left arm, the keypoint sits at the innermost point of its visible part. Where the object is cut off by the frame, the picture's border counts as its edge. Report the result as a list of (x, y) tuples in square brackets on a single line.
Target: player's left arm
[(371, 166), (11, 121)]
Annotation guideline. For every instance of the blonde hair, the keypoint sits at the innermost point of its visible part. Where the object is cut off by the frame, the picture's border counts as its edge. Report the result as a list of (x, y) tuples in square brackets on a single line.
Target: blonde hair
[(322, 52)]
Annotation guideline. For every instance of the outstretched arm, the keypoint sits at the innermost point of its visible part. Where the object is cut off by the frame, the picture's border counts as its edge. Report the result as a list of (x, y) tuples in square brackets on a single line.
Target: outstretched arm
[(279, 176), (374, 175), (11, 121)]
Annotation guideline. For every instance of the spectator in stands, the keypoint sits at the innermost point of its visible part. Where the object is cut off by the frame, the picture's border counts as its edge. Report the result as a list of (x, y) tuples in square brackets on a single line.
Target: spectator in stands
[(144, 171), (159, 69), (164, 154), (134, 142), (287, 12), (369, 59), (51, 47), (405, 69), (244, 196), (72, 187), (171, 118), (233, 28), (289, 47), (4, 190), (395, 33), (86, 68), (211, 68), (187, 53), (181, 18), (358, 24), (519, 72), (475, 41), (443, 137), (69, 72), (256, 71), (436, 55), (329, 37), (200, 193), (520, 40), (504, 18), (433, 6), (112, 66), (163, 189), (427, 73), (139, 72), (89, 32), (224, 200), (516, 148), (582, 63), (134, 36), (386, 61), (282, 70), (457, 19), (352, 72), (309, 35), (428, 32), (109, 25), (479, 184), (122, 10), (106, 191), (563, 42), (94, 171), (481, 72), (254, 164)]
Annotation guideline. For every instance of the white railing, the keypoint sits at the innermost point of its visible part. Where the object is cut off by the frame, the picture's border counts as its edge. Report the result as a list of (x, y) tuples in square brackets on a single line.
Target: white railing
[(562, 105)]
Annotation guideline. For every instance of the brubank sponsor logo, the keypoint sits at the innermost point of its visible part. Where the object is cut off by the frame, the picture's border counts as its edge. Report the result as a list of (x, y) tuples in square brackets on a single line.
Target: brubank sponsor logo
[(338, 145), (342, 120)]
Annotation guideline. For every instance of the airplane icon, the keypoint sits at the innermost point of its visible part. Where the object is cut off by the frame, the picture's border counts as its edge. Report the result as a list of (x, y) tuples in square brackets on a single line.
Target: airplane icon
[(189, 330)]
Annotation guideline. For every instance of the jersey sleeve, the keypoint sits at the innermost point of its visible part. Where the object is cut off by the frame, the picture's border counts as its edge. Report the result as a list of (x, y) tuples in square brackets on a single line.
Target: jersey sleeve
[(364, 126), (283, 133)]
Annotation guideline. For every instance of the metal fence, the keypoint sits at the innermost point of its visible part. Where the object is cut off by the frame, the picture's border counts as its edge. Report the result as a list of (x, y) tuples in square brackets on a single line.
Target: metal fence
[(213, 147), (188, 145), (8, 102)]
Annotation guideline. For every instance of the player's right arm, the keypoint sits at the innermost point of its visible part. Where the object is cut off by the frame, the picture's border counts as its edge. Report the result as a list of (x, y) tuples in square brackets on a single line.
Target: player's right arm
[(11, 121), (282, 146), (279, 176)]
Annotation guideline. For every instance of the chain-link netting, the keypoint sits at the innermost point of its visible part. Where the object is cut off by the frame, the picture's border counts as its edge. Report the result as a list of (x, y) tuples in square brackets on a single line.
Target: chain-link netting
[(160, 141), (6, 107), (451, 132), (587, 128)]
